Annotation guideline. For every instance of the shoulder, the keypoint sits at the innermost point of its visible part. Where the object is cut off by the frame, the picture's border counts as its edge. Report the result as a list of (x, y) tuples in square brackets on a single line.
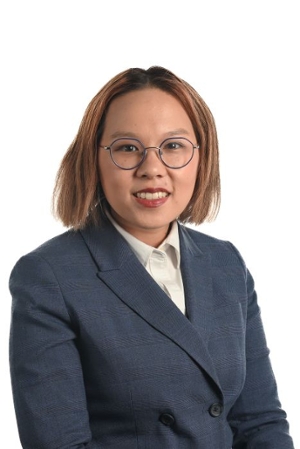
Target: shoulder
[(217, 249), (68, 254), (201, 238), (67, 243), (56, 253)]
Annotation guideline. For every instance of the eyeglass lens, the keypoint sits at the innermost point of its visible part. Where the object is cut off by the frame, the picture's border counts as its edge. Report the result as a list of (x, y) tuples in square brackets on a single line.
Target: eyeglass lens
[(128, 153)]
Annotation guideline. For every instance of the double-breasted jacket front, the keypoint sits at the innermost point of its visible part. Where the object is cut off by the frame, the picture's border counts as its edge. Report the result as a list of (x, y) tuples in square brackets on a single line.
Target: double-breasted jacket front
[(101, 358)]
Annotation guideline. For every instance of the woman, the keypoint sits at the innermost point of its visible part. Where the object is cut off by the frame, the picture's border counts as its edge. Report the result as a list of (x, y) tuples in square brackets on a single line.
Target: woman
[(131, 330)]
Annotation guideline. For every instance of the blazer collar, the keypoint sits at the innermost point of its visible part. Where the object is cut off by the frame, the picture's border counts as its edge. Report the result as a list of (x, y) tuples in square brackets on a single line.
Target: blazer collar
[(119, 269)]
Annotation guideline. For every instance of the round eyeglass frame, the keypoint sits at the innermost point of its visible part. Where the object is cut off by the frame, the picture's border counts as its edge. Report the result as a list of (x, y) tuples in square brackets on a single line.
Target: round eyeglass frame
[(144, 154)]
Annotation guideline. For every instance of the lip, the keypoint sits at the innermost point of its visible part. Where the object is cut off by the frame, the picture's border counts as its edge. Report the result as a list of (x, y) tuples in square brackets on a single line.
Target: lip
[(152, 203)]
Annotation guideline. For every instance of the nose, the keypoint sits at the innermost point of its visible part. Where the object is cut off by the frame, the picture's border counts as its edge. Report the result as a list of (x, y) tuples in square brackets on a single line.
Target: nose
[(152, 165)]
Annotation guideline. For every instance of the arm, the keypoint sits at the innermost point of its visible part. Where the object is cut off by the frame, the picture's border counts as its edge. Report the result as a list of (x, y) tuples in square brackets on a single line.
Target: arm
[(256, 418), (46, 374)]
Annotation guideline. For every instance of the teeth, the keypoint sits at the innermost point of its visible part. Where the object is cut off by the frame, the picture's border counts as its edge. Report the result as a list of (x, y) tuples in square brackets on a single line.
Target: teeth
[(151, 196)]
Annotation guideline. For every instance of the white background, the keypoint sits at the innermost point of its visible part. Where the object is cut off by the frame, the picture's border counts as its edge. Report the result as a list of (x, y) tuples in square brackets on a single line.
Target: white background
[(242, 57)]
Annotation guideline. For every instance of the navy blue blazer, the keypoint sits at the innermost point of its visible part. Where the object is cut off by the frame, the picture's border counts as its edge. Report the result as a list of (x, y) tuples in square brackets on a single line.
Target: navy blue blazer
[(101, 358)]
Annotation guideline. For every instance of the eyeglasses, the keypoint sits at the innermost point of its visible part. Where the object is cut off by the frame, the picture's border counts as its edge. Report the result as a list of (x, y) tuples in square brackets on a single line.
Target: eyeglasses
[(128, 153)]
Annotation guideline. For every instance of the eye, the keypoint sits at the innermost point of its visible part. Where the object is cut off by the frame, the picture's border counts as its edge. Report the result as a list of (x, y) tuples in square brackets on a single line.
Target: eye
[(126, 148), (129, 148), (173, 145)]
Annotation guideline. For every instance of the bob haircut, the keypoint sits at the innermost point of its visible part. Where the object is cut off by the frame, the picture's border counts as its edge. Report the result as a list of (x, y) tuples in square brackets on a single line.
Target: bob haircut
[(77, 191)]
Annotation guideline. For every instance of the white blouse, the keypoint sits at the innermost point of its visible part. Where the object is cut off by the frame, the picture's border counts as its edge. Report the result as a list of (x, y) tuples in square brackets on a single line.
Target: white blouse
[(162, 263)]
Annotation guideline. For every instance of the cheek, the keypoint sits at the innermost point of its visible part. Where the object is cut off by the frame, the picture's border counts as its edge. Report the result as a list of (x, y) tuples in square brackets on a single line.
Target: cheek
[(107, 176), (188, 184), (185, 188), (190, 175), (115, 183)]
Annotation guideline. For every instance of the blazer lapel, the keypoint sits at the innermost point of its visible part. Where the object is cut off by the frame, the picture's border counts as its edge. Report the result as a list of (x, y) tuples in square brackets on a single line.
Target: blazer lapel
[(197, 278), (122, 272)]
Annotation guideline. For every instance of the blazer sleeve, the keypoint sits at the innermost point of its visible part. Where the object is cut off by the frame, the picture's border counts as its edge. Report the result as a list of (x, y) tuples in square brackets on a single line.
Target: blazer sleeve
[(47, 382), (257, 418)]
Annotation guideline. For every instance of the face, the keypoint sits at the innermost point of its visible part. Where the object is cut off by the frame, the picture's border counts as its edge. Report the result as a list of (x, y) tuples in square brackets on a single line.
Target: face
[(145, 200)]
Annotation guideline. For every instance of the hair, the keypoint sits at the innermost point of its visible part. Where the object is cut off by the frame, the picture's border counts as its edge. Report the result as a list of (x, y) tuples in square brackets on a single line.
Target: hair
[(76, 191)]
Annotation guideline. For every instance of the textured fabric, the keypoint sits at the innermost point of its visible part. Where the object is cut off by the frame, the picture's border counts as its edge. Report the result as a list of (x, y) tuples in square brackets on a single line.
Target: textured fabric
[(101, 358)]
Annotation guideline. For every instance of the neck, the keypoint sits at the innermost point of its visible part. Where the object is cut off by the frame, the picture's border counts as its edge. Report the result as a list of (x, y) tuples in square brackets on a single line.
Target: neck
[(150, 236)]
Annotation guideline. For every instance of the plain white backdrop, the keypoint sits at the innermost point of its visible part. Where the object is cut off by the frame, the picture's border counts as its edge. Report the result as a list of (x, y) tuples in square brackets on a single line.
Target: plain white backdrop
[(242, 57)]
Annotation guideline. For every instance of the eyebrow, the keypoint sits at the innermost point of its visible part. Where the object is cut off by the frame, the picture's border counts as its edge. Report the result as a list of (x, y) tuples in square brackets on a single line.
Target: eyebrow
[(174, 132)]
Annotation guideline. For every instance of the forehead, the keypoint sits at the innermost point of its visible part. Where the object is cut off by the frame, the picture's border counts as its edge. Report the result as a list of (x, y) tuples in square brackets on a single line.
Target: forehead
[(148, 108)]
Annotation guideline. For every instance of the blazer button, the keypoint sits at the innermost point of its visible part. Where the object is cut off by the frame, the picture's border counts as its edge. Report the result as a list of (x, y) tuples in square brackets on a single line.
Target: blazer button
[(167, 419), (215, 410)]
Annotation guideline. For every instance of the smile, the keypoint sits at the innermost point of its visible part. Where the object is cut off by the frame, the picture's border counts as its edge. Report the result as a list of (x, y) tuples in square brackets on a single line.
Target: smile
[(151, 196)]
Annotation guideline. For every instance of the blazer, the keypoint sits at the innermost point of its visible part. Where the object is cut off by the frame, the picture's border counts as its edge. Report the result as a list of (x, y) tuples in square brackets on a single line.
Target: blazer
[(101, 358)]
